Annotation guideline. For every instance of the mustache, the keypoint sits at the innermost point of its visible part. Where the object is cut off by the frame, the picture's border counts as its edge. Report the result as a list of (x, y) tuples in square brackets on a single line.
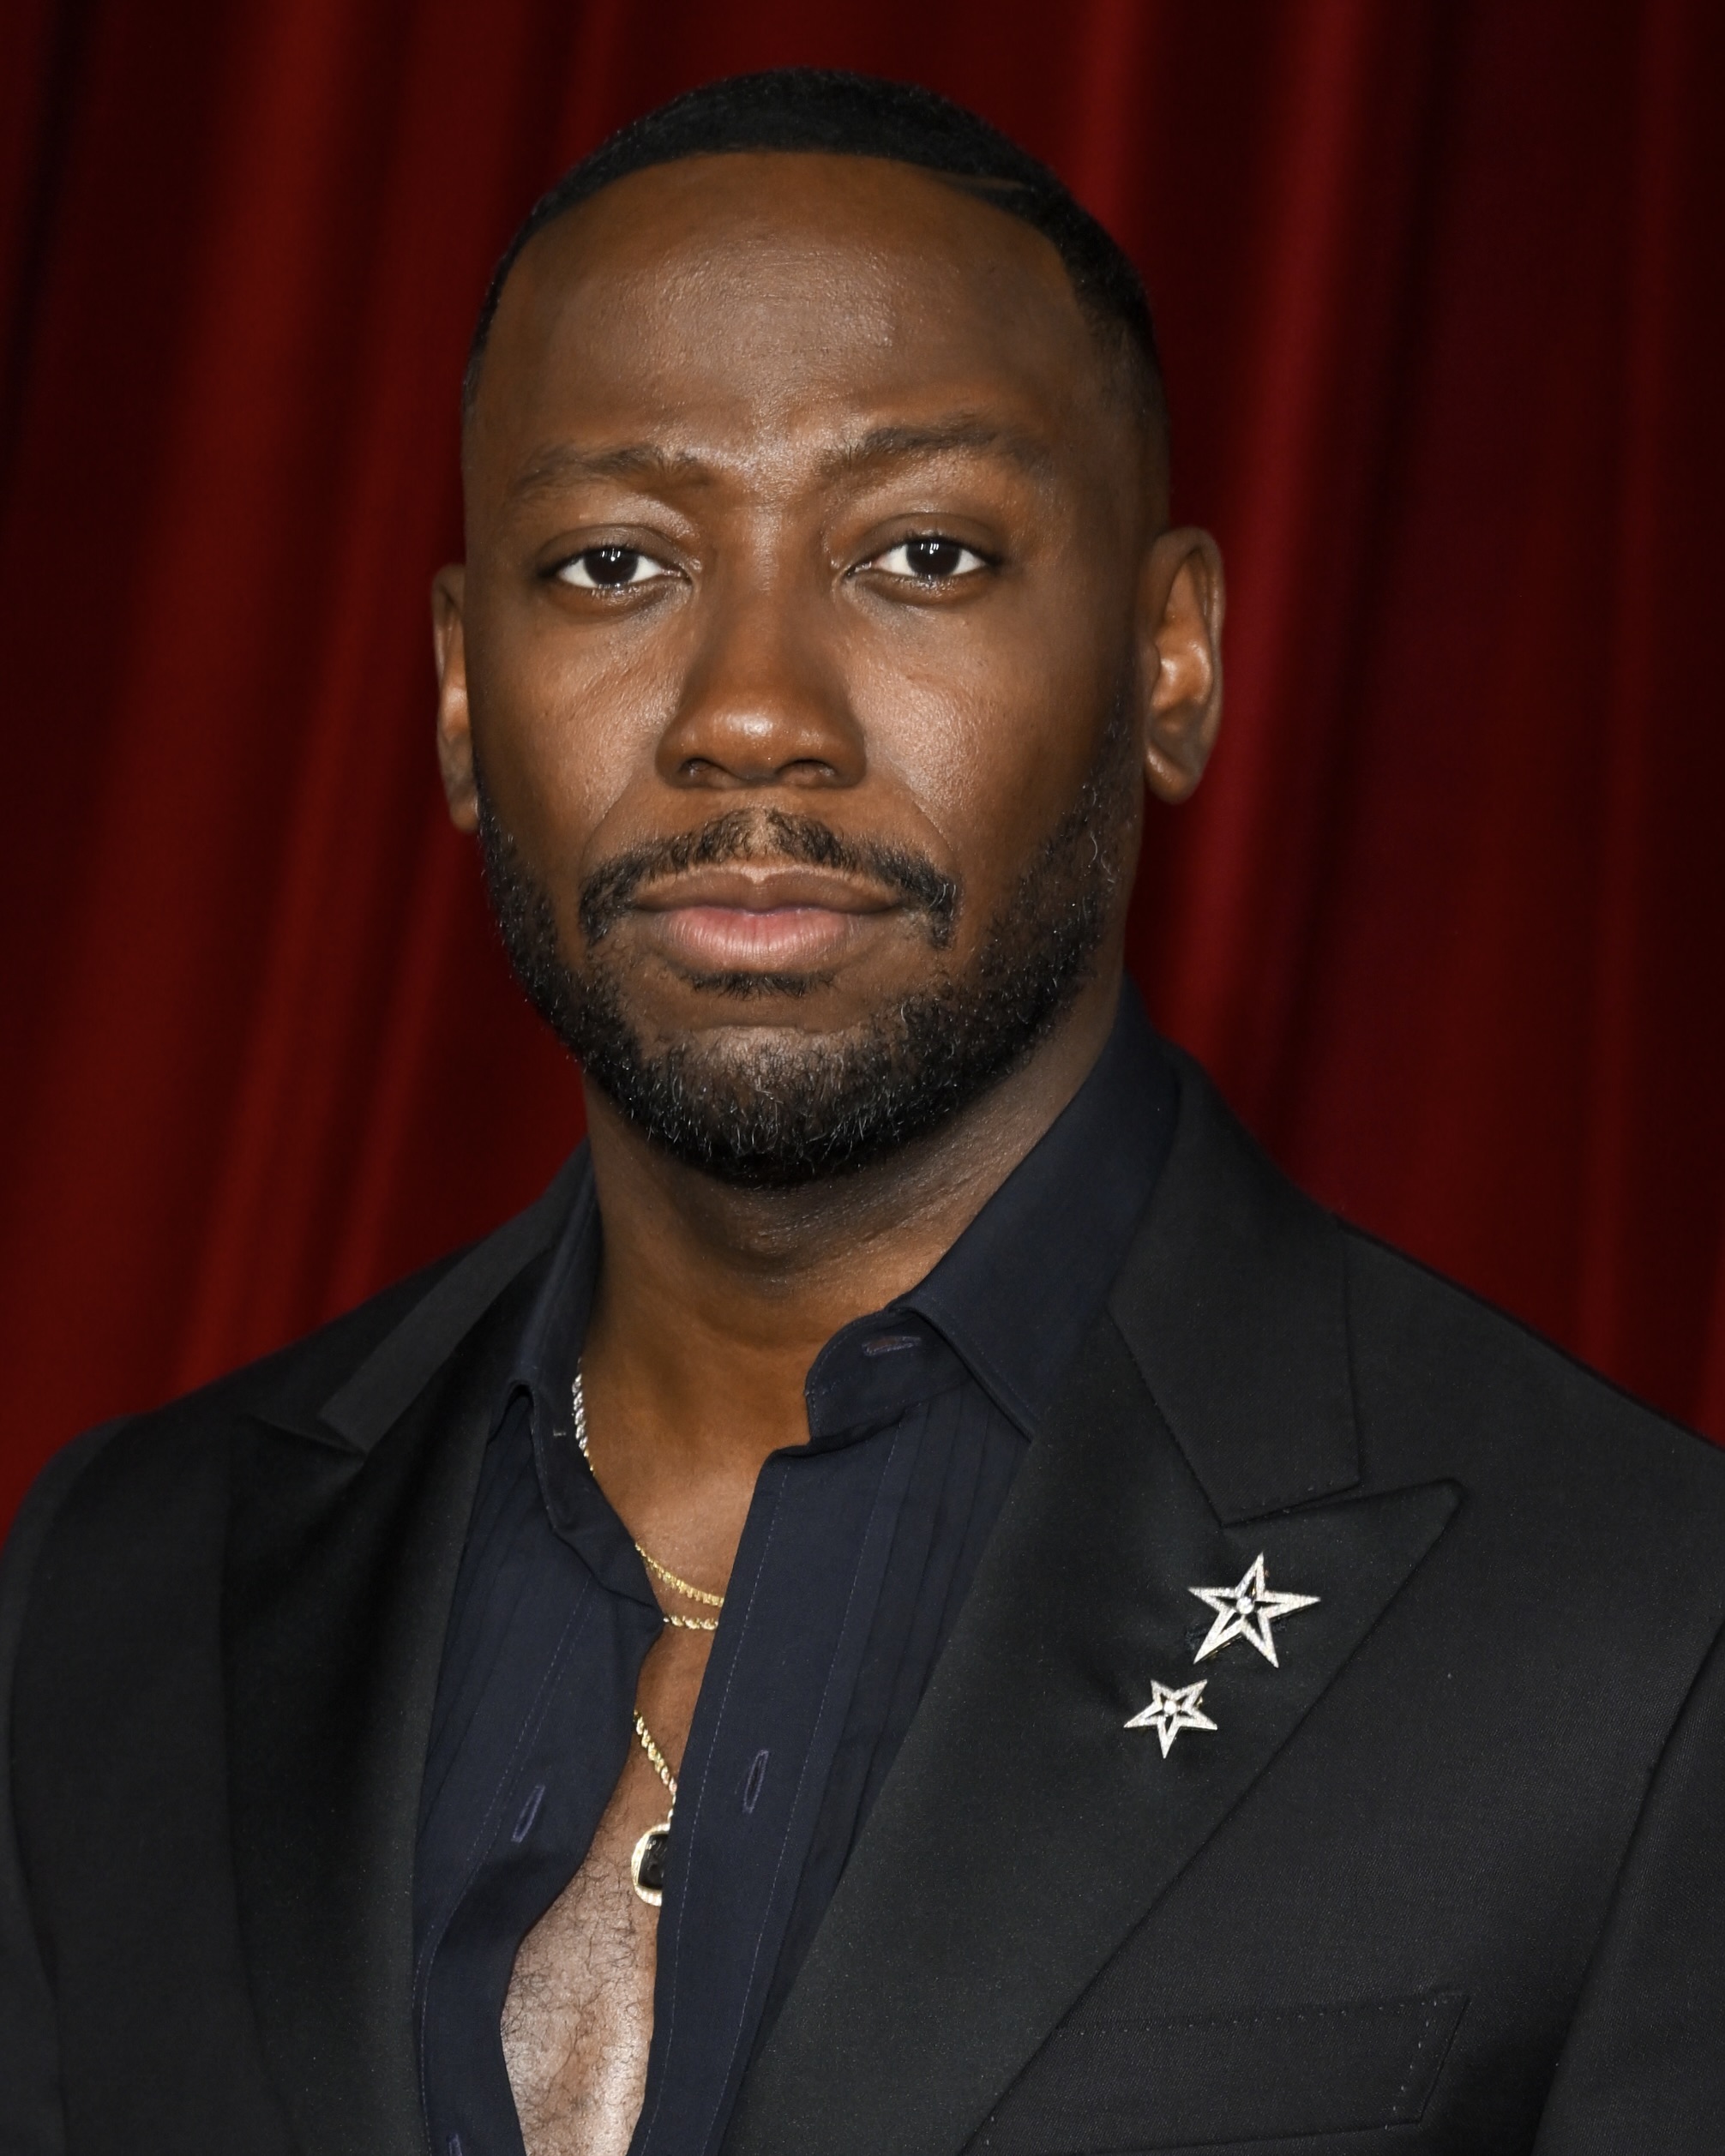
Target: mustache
[(773, 834)]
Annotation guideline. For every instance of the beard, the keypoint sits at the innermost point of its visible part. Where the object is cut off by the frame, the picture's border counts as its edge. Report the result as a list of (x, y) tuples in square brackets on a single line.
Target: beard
[(778, 1108)]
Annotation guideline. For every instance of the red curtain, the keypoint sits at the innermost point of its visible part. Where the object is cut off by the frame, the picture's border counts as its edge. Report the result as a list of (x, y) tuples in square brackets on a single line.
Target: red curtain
[(1441, 288)]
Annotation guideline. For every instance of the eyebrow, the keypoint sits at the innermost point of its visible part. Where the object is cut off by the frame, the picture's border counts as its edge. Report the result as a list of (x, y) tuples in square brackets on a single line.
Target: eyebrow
[(561, 464), (968, 434)]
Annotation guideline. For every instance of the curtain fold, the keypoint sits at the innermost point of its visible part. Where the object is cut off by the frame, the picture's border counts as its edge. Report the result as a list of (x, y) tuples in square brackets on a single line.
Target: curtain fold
[(1437, 285)]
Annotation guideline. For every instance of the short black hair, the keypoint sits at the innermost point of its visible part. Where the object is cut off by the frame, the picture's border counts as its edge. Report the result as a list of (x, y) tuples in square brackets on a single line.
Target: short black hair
[(846, 115)]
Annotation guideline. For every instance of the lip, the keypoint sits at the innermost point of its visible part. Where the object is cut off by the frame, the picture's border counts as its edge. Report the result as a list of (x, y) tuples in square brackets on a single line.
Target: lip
[(740, 919)]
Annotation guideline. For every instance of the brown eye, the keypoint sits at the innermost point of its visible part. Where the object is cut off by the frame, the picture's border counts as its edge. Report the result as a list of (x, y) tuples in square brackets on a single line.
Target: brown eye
[(609, 568), (933, 559)]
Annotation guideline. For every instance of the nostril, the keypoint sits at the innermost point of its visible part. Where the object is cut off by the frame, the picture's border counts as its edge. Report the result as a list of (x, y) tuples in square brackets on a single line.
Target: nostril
[(797, 771)]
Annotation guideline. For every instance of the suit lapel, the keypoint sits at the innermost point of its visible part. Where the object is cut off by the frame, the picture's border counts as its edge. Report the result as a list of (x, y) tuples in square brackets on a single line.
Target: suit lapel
[(1025, 1830), (348, 1523)]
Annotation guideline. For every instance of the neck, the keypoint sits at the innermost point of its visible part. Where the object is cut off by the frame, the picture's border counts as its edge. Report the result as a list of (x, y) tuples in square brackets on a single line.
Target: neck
[(713, 1299)]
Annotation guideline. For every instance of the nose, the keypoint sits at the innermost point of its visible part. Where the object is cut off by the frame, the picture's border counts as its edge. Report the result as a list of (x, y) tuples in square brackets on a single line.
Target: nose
[(763, 702)]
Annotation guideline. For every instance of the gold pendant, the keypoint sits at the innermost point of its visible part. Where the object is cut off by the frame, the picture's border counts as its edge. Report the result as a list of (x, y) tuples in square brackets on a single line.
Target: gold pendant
[(646, 1865)]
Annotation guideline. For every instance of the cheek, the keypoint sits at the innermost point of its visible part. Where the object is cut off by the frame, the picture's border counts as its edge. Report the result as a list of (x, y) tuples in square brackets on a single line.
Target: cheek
[(564, 727), (991, 738)]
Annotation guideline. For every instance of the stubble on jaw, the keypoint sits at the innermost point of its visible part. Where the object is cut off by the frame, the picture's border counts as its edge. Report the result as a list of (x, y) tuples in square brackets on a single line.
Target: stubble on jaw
[(774, 1108)]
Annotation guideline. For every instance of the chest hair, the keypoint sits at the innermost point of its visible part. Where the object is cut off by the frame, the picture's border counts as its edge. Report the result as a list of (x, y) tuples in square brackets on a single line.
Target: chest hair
[(578, 2016)]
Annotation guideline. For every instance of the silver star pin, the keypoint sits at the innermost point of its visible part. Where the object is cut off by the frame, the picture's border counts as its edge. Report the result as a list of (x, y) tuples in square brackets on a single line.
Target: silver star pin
[(1247, 1612), (1169, 1712)]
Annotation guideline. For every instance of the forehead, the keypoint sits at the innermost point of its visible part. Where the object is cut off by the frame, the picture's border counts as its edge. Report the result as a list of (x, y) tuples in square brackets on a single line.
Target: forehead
[(758, 292)]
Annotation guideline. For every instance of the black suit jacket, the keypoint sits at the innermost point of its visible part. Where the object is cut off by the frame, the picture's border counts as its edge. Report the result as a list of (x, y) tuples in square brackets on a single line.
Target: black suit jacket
[(1455, 1868)]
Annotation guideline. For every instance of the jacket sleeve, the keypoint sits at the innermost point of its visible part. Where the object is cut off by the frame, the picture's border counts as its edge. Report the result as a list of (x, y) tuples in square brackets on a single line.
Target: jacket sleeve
[(31, 2118), (1643, 2072)]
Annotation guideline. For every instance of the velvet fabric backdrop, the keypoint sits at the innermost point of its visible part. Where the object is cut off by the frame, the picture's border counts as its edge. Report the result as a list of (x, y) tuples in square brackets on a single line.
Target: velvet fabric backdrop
[(1439, 286)]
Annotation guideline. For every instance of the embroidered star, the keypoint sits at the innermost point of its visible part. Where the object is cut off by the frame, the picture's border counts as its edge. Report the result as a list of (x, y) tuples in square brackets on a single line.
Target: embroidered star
[(1169, 1712), (1247, 1612)]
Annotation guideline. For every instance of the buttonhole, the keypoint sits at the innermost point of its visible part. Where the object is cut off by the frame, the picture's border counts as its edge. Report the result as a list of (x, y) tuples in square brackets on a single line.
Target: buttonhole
[(751, 1788), (524, 1826), (890, 1344), (454, 2145)]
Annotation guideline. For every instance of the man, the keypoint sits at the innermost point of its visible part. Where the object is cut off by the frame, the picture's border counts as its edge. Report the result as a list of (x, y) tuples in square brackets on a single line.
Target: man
[(921, 1597)]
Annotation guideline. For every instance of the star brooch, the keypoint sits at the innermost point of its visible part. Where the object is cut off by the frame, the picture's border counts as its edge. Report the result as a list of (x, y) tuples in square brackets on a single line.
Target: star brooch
[(1247, 1612), (1170, 1711)]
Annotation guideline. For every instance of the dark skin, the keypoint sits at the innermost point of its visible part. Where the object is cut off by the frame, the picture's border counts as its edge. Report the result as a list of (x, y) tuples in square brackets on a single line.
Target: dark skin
[(800, 481)]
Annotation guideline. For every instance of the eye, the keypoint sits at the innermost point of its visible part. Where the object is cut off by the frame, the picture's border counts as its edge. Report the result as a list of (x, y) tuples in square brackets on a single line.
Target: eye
[(932, 559), (609, 568)]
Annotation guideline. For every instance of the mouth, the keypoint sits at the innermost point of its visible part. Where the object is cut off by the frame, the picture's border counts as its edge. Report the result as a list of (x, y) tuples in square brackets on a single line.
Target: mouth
[(771, 919)]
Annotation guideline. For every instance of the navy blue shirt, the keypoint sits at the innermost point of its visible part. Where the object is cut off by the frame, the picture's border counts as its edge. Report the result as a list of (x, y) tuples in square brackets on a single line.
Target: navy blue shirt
[(855, 1555)]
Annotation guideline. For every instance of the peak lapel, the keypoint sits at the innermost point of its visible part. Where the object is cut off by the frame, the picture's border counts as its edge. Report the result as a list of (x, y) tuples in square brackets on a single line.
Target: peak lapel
[(1024, 1829), (426, 1318), (1233, 1299), (341, 1566)]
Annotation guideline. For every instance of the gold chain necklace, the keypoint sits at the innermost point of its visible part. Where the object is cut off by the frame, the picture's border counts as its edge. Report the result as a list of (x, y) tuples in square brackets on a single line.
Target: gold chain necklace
[(646, 1865), (578, 1400), (694, 1593), (647, 1862)]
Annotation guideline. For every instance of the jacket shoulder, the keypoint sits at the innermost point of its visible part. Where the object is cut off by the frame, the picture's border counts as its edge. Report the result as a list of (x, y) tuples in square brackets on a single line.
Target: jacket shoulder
[(139, 1460), (143, 1463), (294, 1380), (1440, 1372)]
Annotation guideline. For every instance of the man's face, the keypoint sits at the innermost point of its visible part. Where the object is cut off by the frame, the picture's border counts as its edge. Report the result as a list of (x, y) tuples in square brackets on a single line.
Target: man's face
[(806, 647)]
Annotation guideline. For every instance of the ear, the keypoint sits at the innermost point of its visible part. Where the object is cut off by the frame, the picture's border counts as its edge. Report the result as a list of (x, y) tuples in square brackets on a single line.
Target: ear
[(1183, 603), (454, 725)]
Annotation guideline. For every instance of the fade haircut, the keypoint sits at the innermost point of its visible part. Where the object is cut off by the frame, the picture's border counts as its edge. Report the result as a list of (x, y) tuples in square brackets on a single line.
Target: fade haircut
[(823, 109)]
